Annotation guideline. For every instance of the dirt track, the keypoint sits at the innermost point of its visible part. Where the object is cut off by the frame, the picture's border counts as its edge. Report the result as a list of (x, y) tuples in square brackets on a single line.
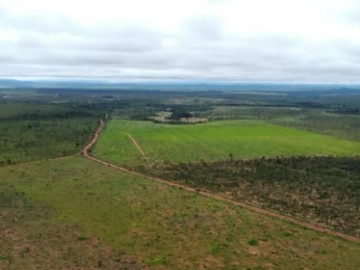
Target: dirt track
[(94, 139), (137, 146), (307, 225)]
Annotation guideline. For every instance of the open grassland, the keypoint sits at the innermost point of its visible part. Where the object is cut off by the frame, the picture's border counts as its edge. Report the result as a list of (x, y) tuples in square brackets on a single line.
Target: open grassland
[(213, 141), (320, 120), (30, 238), (75, 214), (339, 125)]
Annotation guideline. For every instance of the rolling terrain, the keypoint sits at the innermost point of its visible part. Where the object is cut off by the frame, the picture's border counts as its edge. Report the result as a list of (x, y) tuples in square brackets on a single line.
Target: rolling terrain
[(275, 187), (305, 187), (108, 218)]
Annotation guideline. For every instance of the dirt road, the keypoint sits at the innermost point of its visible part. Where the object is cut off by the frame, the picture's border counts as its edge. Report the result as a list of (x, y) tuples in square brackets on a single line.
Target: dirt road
[(94, 139), (211, 195)]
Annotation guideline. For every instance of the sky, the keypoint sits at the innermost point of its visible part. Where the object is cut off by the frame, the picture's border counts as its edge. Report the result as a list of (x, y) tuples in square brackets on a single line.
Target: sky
[(253, 40)]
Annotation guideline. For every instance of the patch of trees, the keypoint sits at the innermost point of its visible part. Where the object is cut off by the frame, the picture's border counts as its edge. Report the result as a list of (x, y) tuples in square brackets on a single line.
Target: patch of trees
[(345, 111), (178, 114)]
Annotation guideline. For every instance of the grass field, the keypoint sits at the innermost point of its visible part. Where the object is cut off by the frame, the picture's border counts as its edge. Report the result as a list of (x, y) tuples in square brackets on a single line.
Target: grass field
[(74, 214), (213, 141), (339, 125)]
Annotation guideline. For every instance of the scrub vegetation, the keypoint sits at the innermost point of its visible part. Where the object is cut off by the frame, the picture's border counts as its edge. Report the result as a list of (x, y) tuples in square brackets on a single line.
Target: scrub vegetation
[(72, 213), (290, 151), (322, 190), (38, 131)]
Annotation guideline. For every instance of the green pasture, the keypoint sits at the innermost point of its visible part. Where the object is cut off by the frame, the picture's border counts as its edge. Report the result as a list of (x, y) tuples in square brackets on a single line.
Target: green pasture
[(213, 141), (72, 213)]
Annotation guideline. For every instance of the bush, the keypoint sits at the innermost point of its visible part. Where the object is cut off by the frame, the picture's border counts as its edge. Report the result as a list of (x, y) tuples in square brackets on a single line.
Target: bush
[(253, 242)]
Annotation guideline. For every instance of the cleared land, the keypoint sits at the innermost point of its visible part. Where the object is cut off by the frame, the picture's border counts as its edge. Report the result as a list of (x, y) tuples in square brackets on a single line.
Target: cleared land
[(213, 141), (108, 219)]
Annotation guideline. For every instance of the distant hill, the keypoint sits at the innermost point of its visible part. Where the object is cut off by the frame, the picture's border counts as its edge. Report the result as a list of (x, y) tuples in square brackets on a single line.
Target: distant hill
[(174, 85)]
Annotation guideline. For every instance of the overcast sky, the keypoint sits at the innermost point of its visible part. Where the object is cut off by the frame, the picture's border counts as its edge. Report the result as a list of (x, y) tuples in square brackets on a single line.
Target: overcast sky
[(246, 40)]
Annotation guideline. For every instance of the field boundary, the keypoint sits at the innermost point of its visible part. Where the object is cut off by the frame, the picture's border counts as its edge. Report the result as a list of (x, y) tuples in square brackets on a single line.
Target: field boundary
[(252, 208)]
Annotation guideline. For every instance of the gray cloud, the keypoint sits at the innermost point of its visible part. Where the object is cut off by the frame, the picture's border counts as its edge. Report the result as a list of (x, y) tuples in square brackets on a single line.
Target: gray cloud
[(54, 45)]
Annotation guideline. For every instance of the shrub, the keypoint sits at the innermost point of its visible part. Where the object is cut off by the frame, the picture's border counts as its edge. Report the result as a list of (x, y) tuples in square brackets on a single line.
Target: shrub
[(253, 242)]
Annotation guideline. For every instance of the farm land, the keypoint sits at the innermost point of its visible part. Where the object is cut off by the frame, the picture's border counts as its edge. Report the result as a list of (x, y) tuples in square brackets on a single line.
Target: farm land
[(246, 139), (293, 153)]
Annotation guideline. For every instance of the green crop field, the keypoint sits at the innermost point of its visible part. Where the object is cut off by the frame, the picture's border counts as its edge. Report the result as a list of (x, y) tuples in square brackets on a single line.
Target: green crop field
[(72, 213), (213, 141)]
